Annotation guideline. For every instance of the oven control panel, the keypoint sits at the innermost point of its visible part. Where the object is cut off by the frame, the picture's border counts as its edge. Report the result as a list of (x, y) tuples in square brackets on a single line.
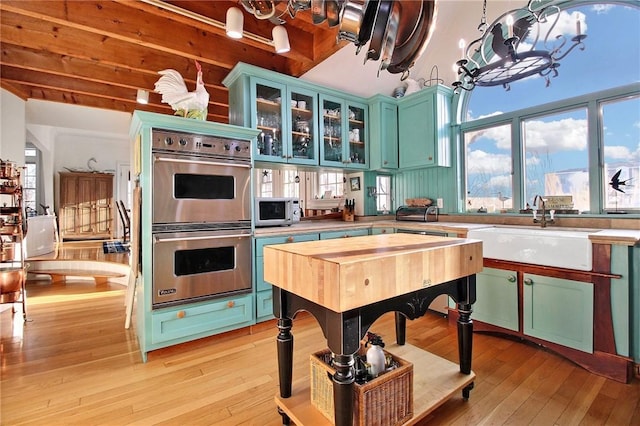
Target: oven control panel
[(206, 145)]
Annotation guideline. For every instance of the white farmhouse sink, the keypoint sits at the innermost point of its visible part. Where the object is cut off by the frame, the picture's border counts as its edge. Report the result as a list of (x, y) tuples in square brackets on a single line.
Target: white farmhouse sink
[(539, 246)]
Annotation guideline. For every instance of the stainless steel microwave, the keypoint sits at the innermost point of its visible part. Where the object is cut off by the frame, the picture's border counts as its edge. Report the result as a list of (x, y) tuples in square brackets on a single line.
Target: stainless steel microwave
[(276, 211)]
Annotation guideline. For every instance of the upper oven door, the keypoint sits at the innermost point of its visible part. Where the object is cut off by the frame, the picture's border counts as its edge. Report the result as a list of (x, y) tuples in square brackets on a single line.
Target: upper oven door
[(192, 189)]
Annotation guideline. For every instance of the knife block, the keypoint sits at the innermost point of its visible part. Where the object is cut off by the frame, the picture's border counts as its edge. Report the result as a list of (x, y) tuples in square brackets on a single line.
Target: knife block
[(347, 215)]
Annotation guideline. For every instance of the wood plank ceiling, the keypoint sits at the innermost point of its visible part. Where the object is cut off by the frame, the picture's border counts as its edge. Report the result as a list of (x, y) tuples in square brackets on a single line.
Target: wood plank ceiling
[(98, 53)]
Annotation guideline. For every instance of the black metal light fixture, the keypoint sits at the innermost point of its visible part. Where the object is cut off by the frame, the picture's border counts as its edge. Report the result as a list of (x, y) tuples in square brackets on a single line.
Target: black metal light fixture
[(495, 58)]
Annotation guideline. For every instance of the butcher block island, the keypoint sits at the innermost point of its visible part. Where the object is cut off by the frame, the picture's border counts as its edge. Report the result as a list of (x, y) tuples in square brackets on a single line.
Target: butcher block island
[(347, 284)]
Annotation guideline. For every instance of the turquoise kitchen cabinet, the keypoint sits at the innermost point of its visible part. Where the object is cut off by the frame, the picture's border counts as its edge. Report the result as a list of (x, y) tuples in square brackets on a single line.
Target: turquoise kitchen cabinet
[(287, 119), (383, 133), (344, 234), (264, 297), (424, 120), (167, 326), (497, 298), (302, 122), (378, 231), (197, 320), (559, 311), (345, 135)]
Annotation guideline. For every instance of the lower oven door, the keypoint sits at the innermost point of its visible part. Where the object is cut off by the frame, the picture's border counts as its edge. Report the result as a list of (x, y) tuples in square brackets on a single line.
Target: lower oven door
[(191, 189), (194, 266)]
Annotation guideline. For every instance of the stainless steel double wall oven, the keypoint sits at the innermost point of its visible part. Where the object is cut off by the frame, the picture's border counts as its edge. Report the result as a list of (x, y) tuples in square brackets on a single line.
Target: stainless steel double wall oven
[(201, 218)]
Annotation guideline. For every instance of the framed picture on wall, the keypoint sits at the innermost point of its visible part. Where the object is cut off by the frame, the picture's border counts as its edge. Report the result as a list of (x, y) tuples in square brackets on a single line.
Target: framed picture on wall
[(355, 183)]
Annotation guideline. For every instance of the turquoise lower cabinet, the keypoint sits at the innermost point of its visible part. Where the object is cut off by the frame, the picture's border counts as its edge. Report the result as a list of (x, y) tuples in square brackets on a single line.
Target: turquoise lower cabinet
[(497, 298), (264, 298), (344, 234), (378, 231), (559, 311), (189, 322)]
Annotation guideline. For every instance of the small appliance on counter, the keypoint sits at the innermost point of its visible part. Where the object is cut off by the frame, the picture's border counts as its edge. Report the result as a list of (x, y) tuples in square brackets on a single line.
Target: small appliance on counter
[(417, 214), (276, 211)]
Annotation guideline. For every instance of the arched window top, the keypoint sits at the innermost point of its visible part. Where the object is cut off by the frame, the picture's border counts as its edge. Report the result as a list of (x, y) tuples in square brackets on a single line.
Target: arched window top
[(610, 59)]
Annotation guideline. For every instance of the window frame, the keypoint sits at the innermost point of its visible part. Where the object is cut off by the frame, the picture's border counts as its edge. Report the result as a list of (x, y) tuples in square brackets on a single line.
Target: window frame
[(591, 101)]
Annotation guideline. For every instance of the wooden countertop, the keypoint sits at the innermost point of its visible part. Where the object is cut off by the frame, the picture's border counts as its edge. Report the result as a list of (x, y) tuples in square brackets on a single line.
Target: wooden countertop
[(343, 274), (628, 237)]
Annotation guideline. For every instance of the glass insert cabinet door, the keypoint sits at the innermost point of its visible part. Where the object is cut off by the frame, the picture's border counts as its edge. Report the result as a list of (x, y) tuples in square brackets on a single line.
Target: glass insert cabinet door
[(344, 133), (303, 128), (332, 135), (268, 116), (357, 134)]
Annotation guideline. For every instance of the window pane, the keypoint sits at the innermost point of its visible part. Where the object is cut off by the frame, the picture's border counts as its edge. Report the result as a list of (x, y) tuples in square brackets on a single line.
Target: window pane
[(489, 182), (621, 124), (265, 182), (557, 159), (290, 186), (383, 194), (330, 181)]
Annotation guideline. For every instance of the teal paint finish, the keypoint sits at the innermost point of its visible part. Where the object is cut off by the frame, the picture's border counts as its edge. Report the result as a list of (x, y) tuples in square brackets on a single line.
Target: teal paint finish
[(370, 207), (424, 128), (433, 182), (620, 298), (344, 234), (159, 328), (497, 298), (634, 279), (383, 131), (264, 297), (559, 311)]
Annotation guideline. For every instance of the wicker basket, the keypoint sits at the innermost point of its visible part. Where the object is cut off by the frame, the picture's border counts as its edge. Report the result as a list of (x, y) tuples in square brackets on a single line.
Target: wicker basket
[(384, 401)]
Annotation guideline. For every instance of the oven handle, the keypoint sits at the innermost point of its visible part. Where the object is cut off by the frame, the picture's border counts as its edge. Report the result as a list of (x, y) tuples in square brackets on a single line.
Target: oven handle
[(206, 163), (157, 239)]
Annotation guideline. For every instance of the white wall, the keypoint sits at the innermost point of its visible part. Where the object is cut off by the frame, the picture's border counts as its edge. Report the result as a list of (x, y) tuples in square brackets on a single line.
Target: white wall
[(12, 128)]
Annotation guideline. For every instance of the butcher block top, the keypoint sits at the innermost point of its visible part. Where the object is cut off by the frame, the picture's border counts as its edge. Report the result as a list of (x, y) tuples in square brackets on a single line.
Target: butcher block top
[(347, 273)]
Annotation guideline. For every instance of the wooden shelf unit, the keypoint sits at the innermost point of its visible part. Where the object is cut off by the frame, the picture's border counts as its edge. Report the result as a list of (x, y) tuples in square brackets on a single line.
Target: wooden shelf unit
[(86, 205)]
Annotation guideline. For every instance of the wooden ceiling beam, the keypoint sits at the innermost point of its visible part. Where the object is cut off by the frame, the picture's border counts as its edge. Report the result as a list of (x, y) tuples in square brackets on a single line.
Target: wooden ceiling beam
[(106, 19), (30, 60), (85, 87)]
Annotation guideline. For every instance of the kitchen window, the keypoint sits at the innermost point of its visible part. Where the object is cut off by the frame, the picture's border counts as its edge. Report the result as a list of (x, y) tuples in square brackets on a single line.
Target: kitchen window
[(330, 184), (569, 139)]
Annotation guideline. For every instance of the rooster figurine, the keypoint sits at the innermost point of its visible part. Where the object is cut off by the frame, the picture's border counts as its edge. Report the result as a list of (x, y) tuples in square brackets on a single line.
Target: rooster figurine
[(174, 92)]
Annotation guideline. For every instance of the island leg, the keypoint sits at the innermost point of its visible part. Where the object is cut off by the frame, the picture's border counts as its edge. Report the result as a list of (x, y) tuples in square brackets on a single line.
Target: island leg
[(343, 389), (465, 337), (285, 356), (401, 328)]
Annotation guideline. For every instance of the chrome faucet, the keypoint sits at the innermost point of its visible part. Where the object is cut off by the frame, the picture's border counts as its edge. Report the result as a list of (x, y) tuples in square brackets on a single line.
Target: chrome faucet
[(539, 201)]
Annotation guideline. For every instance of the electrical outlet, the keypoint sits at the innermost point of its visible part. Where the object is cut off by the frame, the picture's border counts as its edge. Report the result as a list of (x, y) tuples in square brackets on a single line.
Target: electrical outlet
[(440, 203)]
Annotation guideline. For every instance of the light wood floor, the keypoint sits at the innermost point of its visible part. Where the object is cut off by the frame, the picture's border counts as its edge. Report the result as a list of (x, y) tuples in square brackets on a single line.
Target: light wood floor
[(75, 364)]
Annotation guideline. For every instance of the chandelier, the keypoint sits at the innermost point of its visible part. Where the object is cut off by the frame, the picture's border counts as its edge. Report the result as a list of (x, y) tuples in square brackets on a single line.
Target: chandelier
[(501, 55)]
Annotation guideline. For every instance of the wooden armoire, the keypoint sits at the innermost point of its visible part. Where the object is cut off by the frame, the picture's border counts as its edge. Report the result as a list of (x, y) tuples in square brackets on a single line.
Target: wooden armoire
[(86, 205)]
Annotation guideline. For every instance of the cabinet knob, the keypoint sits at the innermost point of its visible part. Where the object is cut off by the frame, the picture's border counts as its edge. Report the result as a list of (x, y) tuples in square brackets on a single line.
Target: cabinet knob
[(528, 281), (512, 278), (290, 240), (430, 158), (181, 314), (231, 304)]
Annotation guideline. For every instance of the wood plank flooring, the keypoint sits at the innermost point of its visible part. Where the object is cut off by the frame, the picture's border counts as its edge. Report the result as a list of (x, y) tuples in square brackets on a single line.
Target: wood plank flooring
[(75, 364)]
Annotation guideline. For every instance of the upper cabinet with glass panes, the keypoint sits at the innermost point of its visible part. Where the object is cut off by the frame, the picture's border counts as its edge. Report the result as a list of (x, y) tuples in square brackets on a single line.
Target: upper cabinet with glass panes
[(344, 133), (300, 123)]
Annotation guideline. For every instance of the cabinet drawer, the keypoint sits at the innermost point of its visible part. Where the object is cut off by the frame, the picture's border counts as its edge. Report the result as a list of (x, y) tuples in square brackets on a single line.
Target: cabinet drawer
[(264, 305), (221, 315), (344, 234), (261, 242)]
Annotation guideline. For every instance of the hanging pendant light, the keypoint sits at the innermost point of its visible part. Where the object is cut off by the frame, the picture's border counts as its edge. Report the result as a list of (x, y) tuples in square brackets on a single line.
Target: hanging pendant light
[(234, 23), (280, 39), (142, 97)]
